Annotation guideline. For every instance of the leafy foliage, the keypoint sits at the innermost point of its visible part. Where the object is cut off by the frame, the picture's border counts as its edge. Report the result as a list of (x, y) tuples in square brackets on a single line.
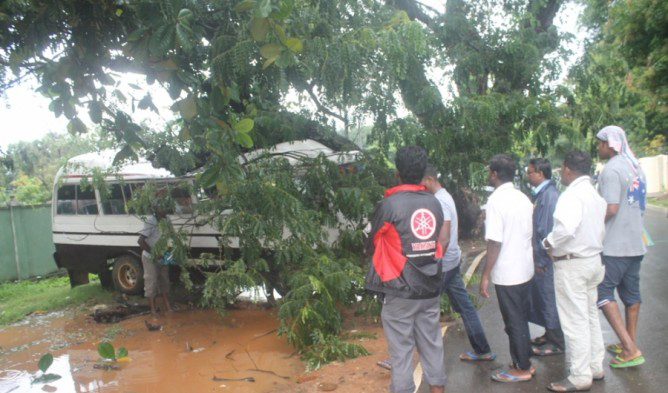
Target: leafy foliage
[(44, 363), (234, 69)]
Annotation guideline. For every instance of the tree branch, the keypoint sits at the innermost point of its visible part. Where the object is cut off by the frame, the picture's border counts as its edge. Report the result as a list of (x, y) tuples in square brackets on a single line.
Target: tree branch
[(321, 107)]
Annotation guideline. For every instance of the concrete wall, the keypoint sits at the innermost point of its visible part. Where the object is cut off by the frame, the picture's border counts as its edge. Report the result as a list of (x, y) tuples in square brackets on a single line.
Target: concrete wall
[(656, 170)]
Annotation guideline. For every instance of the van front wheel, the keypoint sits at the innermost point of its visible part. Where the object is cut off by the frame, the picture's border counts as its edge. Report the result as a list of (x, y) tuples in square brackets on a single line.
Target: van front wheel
[(128, 275)]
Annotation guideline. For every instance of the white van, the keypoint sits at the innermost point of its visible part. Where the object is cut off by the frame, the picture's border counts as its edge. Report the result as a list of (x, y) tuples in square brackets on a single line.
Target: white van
[(96, 234)]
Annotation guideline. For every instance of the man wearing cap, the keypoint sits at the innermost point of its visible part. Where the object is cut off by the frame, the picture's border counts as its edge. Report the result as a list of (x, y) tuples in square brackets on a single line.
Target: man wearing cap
[(622, 185)]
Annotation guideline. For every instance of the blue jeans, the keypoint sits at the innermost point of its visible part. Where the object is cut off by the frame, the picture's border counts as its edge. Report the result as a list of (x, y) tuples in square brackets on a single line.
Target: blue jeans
[(454, 287)]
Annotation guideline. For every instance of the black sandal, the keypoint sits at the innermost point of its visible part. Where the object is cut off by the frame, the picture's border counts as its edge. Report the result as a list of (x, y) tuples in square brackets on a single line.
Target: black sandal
[(546, 350), (542, 340), (566, 386)]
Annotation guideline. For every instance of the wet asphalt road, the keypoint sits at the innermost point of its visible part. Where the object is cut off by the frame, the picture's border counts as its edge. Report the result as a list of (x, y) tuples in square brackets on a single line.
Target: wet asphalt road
[(652, 377)]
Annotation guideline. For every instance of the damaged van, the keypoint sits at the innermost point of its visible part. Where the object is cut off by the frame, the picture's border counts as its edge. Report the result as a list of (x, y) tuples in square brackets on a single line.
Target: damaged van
[(96, 232)]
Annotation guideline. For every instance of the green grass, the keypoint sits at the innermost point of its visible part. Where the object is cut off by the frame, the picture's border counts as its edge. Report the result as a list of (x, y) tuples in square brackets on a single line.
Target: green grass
[(663, 201), (18, 299)]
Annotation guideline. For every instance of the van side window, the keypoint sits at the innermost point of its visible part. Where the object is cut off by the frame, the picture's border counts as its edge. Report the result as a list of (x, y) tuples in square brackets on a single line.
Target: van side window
[(115, 201), (86, 203), (66, 200), (182, 200)]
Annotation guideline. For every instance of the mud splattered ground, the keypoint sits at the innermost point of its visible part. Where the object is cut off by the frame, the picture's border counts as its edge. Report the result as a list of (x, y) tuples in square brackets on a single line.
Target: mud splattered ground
[(189, 350)]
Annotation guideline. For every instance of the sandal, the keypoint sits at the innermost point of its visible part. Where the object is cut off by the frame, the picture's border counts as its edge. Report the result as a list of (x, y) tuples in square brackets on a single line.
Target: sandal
[(566, 386), (506, 377), (547, 350), (385, 364), (542, 340), (619, 362), (614, 349), (474, 357), (532, 369)]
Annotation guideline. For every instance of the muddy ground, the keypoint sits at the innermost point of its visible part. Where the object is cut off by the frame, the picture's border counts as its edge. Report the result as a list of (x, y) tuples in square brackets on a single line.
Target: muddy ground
[(189, 351)]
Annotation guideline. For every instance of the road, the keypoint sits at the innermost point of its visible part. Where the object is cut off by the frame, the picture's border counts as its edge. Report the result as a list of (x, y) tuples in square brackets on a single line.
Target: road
[(652, 377)]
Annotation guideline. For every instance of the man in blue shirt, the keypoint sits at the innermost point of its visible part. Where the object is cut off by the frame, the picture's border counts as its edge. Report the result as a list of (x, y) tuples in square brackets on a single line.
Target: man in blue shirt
[(544, 195)]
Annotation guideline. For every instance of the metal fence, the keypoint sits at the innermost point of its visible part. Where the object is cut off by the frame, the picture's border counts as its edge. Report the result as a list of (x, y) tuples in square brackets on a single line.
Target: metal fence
[(26, 245)]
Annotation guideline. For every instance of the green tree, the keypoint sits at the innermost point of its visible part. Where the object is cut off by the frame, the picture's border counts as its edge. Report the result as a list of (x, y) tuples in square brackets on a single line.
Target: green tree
[(230, 67), (30, 190), (622, 77)]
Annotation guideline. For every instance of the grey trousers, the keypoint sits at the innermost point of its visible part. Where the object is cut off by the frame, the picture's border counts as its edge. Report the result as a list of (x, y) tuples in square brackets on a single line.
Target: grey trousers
[(408, 323)]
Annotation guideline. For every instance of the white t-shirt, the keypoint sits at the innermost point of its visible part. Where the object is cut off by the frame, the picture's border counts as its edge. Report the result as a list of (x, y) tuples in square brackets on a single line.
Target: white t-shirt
[(151, 231), (509, 221)]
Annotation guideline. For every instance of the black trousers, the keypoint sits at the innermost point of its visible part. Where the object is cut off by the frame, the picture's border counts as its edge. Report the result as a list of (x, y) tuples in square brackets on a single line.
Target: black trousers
[(514, 305)]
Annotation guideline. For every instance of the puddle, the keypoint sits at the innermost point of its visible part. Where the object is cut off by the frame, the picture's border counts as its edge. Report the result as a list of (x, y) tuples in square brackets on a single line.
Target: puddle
[(190, 349)]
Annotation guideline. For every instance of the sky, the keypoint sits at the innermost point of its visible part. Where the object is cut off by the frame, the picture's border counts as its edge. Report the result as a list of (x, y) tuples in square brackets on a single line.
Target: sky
[(25, 116)]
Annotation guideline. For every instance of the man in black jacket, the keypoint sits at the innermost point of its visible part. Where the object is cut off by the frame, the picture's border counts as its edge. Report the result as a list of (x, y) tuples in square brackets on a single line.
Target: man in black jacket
[(544, 195), (406, 241)]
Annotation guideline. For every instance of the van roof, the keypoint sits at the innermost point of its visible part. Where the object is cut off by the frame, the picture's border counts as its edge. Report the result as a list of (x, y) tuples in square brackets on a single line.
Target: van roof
[(83, 165)]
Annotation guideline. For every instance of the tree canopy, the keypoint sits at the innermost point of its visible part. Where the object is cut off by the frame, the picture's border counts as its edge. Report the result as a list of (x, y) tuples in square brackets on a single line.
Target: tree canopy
[(237, 69)]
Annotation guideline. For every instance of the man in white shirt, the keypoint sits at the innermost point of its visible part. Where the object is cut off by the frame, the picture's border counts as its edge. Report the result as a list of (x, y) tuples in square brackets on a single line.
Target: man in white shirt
[(576, 242), (508, 231)]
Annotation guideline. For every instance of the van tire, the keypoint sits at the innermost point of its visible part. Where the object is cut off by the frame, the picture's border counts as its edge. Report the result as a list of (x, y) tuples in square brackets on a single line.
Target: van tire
[(77, 277), (128, 275)]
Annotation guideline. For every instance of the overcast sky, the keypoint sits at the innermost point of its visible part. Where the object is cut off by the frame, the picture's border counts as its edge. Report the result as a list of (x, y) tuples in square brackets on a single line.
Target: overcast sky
[(25, 116)]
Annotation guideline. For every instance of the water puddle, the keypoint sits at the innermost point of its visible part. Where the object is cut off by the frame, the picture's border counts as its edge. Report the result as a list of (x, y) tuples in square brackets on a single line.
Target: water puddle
[(191, 351)]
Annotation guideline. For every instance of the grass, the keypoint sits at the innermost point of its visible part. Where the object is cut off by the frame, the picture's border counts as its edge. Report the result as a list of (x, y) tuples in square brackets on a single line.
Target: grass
[(18, 299), (661, 201)]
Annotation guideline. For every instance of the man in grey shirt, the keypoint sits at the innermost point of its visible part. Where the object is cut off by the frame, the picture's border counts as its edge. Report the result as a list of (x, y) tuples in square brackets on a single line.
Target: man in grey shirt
[(622, 185), (453, 286)]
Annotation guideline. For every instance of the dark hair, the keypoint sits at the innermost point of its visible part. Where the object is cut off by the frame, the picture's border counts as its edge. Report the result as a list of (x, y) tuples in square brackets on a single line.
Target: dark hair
[(431, 171), (504, 166), (543, 166), (578, 161), (411, 162)]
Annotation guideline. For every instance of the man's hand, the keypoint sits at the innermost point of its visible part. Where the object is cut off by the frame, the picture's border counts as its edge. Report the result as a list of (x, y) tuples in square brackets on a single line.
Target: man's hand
[(484, 284)]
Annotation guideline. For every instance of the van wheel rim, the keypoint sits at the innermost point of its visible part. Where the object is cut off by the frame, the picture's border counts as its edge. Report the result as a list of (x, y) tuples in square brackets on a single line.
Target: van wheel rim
[(127, 277)]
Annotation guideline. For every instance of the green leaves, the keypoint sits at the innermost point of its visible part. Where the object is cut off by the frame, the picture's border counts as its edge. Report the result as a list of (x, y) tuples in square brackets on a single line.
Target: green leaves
[(244, 126), (245, 5), (187, 107), (106, 351), (259, 28), (76, 126), (122, 352), (45, 362), (294, 44)]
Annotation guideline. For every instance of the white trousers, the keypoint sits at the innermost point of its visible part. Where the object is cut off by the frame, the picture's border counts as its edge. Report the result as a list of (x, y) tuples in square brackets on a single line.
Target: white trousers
[(575, 283)]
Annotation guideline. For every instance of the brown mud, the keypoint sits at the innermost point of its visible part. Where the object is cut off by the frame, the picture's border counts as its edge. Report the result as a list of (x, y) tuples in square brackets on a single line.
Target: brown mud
[(190, 349)]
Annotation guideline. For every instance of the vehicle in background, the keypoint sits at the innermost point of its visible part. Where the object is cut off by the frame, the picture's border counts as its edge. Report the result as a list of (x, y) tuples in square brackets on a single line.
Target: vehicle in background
[(96, 232)]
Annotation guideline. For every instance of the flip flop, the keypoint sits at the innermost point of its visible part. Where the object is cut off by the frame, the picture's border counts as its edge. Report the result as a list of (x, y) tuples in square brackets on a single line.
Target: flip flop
[(506, 377), (618, 362), (566, 386), (547, 350), (474, 357), (532, 369), (614, 349), (385, 364)]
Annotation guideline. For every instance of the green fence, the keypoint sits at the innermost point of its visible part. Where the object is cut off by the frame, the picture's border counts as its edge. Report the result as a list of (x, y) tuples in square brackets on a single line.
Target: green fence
[(26, 245)]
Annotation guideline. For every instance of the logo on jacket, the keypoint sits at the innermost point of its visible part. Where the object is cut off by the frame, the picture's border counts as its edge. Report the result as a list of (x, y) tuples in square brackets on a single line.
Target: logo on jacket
[(423, 224)]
